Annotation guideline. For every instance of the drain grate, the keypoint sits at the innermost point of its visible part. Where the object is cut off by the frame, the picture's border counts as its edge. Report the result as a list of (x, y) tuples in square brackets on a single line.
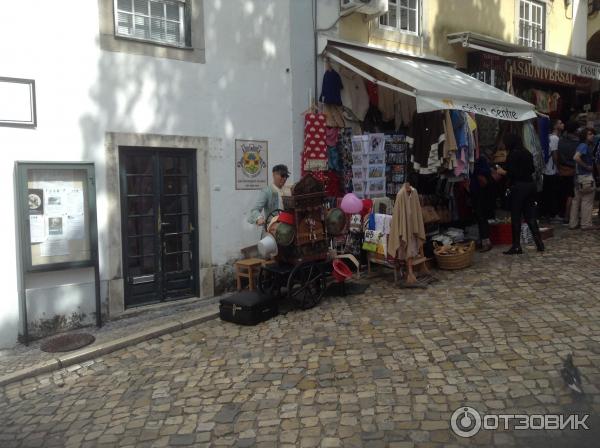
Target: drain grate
[(67, 342)]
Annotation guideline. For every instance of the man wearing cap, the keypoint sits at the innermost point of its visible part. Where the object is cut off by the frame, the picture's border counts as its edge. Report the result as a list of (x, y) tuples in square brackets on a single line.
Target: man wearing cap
[(269, 198)]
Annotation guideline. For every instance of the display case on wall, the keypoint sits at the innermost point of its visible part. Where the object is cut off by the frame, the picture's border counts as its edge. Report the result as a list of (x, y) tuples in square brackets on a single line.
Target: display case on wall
[(56, 209)]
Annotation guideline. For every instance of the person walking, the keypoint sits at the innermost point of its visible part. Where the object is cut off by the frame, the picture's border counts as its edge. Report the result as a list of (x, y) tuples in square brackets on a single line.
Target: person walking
[(519, 170), (585, 186), (483, 197), (567, 146), (551, 191)]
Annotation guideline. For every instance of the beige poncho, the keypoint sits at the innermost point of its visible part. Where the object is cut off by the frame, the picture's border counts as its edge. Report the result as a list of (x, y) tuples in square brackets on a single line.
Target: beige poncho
[(407, 231)]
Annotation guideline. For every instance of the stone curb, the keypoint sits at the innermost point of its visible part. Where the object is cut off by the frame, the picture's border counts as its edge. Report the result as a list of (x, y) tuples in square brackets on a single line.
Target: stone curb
[(93, 351)]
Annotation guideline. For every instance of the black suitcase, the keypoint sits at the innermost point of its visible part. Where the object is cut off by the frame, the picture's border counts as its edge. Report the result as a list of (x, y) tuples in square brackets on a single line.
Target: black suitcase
[(247, 308)]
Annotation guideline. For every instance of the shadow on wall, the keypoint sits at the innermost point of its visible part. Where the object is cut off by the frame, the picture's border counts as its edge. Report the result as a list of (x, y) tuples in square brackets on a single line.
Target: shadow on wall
[(146, 95), (478, 16)]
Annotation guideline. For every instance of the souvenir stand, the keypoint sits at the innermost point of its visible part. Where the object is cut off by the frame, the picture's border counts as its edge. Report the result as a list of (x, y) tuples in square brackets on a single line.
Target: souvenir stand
[(380, 130), (301, 233)]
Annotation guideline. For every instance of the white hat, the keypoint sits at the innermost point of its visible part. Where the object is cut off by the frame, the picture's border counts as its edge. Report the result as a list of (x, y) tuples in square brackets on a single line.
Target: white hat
[(267, 247)]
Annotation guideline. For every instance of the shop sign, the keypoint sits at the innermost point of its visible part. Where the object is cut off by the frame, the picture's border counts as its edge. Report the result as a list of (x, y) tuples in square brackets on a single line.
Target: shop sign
[(590, 71), (498, 111), (524, 69), (251, 161)]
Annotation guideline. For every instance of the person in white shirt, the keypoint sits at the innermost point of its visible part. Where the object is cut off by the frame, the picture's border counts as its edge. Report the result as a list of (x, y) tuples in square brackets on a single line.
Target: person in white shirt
[(551, 192)]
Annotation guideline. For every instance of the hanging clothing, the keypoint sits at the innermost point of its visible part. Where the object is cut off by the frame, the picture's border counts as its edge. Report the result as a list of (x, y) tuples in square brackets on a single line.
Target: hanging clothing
[(487, 130), (345, 151), (426, 134), (532, 144), (544, 130), (461, 132), (334, 116), (333, 185), (373, 120), (450, 146), (354, 94), (331, 88), (407, 231), (373, 93), (386, 102), (331, 136), (404, 109), (334, 161)]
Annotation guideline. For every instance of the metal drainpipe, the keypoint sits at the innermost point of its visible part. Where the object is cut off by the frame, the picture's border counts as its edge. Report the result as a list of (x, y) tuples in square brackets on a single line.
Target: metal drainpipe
[(315, 27)]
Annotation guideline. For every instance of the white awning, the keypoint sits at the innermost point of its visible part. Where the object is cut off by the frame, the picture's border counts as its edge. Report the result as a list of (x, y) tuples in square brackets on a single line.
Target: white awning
[(437, 87), (538, 58)]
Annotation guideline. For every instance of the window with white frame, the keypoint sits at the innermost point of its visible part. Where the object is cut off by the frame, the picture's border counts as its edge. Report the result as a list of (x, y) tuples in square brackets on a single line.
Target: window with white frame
[(532, 24), (160, 21), (402, 15)]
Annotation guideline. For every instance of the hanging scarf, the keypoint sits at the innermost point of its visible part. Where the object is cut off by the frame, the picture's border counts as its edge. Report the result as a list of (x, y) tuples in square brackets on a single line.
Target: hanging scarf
[(279, 193)]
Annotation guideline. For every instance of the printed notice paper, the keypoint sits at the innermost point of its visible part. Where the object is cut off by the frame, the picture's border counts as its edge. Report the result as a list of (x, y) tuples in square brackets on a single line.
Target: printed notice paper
[(36, 228), (52, 248), (74, 227), (74, 198)]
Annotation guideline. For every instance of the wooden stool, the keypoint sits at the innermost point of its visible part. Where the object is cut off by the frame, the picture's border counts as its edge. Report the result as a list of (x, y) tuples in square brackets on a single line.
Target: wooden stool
[(247, 269)]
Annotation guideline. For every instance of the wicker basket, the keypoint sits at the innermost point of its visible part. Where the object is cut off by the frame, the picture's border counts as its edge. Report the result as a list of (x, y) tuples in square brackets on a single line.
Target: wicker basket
[(455, 261)]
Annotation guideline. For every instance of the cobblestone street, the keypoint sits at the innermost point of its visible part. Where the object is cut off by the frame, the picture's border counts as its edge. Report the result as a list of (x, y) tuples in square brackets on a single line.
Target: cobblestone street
[(384, 368)]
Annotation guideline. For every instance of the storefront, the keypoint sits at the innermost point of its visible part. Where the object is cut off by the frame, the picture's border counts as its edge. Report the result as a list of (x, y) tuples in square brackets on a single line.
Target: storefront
[(387, 119), (559, 86)]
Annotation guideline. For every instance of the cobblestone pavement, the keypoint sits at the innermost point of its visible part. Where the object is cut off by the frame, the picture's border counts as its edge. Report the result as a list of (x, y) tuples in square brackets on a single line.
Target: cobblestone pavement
[(22, 356), (385, 368)]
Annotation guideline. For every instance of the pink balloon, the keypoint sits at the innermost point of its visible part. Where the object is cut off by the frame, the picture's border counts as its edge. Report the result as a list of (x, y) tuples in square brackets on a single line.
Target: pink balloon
[(351, 204)]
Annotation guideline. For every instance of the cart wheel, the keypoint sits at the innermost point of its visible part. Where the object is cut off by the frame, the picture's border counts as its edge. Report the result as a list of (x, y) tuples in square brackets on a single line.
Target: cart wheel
[(306, 285), (269, 283)]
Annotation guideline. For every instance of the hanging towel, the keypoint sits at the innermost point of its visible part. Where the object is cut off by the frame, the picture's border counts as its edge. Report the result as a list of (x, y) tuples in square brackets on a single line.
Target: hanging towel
[(315, 147)]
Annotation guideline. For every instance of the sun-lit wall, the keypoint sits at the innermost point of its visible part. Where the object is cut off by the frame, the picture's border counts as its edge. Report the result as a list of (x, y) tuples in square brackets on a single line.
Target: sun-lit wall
[(495, 18), (241, 91)]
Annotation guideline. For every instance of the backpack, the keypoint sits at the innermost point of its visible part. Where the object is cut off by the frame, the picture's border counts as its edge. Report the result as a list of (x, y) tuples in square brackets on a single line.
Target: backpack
[(567, 147)]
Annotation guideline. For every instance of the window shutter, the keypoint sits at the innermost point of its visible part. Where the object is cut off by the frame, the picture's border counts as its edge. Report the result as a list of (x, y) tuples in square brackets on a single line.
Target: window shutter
[(141, 7), (166, 21), (124, 24), (187, 17), (125, 5)]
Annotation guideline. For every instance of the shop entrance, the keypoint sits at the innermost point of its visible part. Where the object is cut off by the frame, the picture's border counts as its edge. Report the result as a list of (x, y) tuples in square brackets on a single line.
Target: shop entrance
[(158, 222)]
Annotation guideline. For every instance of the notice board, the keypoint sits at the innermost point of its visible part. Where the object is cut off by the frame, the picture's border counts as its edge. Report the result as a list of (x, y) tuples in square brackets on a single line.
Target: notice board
[(57, 211)]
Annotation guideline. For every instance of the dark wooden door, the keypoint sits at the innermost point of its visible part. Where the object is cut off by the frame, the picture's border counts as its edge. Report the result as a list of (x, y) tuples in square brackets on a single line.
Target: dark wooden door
[(159, 216)]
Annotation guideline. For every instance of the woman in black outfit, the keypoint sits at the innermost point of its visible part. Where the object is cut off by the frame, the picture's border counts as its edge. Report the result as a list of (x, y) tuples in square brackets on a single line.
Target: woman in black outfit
[(519, 170)]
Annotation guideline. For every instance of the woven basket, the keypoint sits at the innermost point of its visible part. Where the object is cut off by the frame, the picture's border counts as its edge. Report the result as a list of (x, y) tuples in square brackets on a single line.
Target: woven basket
[(455, 261)]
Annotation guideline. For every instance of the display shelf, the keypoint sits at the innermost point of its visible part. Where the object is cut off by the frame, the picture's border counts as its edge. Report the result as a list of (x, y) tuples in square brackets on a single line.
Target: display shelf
[(396, 149)]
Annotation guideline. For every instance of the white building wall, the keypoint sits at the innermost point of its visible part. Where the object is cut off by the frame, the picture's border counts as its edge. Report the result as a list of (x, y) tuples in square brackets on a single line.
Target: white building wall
[(242, 91), (579, 36), (302, 72)]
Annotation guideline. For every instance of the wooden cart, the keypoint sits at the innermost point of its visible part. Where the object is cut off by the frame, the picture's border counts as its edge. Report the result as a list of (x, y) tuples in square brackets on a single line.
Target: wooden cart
[(302, 268)]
